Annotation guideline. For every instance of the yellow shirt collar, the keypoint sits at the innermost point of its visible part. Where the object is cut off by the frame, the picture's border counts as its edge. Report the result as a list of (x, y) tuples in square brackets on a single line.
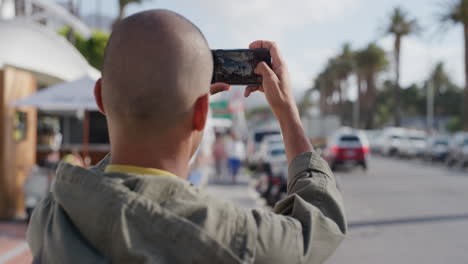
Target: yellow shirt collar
[(137, 170)]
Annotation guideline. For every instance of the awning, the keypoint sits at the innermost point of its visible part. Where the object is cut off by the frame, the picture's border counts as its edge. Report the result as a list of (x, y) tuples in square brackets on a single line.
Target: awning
[(35, 48), (66, 96)]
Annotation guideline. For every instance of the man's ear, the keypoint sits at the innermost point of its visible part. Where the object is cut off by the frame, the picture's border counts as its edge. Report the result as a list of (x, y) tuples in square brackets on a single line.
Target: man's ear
[(201, 112), (98, 96)]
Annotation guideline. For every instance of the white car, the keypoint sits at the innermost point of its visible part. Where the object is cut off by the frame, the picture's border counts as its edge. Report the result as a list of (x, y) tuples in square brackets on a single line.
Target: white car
[(414, 145), (392, 141), (254, 144), (266, 144), (276, 157)]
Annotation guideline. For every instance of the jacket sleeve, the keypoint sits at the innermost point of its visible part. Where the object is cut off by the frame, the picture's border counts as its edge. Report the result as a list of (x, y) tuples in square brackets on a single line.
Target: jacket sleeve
[(309, 224)]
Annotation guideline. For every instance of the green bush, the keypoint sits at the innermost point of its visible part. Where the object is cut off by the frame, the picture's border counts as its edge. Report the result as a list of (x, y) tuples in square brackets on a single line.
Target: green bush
[(92, 49), (454, 124)]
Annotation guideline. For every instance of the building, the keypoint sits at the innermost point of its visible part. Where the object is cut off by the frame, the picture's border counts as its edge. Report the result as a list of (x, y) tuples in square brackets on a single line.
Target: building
[(33, 56)]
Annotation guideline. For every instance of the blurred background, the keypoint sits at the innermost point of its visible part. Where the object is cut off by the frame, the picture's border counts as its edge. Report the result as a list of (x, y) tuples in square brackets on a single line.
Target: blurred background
[(381, 87)]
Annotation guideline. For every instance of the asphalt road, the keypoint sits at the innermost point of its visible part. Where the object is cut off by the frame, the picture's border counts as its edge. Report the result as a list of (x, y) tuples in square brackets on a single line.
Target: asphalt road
[(403, 211)]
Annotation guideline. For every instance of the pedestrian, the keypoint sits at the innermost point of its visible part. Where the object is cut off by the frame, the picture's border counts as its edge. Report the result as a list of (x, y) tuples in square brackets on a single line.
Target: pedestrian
[(74, 158), (136, 205), (219, 154), (236, 150)]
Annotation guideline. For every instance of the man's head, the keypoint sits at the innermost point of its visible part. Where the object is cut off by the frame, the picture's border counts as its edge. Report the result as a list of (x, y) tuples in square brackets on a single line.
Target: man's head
[(156, 78)]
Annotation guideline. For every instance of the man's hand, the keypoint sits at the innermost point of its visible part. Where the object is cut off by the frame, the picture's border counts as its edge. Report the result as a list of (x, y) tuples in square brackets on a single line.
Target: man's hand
[(277, 88), (219, 87), (276, 84)]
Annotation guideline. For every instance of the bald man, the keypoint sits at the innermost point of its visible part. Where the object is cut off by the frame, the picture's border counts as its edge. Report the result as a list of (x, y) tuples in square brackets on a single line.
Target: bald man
[(137, 207)]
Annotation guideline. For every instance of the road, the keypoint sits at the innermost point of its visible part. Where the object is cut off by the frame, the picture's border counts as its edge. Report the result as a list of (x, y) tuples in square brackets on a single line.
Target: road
[(399, 211), (404, 211), (13, 247)]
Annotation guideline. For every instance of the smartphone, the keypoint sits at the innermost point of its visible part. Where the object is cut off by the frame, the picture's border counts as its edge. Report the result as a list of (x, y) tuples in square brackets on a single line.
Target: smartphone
[(237, 66)]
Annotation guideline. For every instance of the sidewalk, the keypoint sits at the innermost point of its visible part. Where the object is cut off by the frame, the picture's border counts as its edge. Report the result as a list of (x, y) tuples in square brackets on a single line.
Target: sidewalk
[(241, 193), (13, 247)]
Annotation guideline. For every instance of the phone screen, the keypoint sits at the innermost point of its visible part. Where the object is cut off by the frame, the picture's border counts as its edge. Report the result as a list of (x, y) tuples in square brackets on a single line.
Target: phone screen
[(237, 66)]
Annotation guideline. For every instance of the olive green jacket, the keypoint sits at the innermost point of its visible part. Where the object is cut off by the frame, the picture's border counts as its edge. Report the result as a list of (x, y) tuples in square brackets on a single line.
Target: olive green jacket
[(95, 217)]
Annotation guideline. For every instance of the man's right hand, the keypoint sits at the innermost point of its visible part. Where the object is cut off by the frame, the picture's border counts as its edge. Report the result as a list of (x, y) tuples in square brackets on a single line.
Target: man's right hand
[(277, 88), (276, 84)]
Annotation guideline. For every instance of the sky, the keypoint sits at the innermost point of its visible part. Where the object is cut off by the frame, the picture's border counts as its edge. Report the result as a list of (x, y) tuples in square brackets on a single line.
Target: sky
[(309, 32)]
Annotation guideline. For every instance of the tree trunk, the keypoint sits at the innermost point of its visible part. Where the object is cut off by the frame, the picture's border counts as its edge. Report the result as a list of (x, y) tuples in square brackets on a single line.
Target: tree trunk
[(397, 109), (19, 7), (359, 100), (340, 101), (322, 101), (71, 33), (120, 16), (465, 99), (370, 80)]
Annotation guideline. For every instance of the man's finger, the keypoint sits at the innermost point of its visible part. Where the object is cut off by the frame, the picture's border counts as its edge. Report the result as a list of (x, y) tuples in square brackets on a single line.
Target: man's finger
[(219, 87), (276, 56), (250, 89), (264, 70)]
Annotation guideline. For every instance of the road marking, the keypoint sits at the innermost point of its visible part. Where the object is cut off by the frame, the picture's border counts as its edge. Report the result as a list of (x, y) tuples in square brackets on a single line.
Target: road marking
[(23, 246)]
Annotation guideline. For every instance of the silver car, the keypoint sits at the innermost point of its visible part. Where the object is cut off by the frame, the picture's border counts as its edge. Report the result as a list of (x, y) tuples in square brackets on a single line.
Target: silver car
[(457, 150)]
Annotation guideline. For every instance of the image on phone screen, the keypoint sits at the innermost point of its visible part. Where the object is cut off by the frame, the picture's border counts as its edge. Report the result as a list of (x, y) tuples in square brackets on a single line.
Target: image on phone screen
[(237, 66)]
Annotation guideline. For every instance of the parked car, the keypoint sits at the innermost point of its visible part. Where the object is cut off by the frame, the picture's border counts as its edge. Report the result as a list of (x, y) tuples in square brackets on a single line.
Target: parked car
[(414, 144), (458, 150), (437, 148), (254, 143), (374, 137), (268, 142), (392, 141), (347, 147)]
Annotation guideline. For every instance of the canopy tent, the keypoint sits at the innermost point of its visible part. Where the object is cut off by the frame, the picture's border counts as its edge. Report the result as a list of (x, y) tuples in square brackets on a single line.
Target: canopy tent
[(65, 96), (35, 48)]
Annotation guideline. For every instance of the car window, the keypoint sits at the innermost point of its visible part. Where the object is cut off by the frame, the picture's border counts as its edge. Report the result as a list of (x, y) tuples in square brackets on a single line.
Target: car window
[(417, 138), (260, 135), (395, 137), (274, 142), (277, 152), (441, 143), (465, 142), (349, 138)]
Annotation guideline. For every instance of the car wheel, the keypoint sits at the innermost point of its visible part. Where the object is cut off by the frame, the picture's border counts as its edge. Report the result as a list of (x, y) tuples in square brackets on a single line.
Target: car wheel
[(364, 166)]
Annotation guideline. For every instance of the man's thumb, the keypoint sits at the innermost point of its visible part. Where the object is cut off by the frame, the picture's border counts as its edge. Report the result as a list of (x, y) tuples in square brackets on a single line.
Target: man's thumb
[(264, 70)]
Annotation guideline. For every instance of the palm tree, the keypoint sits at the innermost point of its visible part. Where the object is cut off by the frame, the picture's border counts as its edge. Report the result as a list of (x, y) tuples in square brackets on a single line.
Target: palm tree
[(359, 73), (400, 26), (456, 12), (442, 85), (73, 8), (332, 81), (306, 102), (122, 5), (325, 85), (371, 61), (343, 66)]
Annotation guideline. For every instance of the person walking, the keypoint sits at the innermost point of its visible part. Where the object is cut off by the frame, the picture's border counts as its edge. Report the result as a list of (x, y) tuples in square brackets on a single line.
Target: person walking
[(219, 154), (236, 155), (136, 205)]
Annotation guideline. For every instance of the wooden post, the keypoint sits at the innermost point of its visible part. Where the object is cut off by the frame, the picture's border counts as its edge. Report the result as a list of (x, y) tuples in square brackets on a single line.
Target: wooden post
[(17, 151)]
